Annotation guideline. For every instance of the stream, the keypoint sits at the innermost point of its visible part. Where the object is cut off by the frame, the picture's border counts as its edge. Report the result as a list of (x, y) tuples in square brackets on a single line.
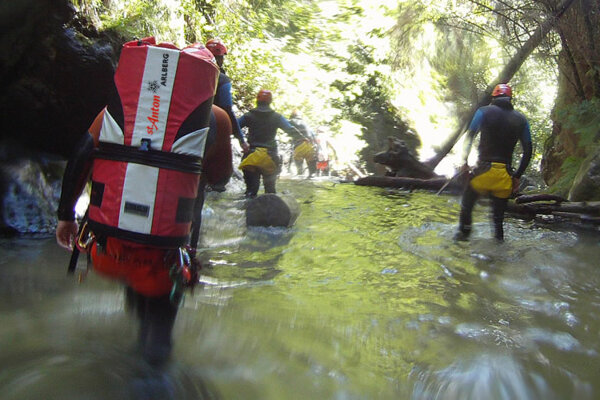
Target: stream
[(365, 297)]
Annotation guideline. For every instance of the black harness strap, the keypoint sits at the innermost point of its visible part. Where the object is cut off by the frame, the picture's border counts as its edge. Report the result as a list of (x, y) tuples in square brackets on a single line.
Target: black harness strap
[(153, 158)]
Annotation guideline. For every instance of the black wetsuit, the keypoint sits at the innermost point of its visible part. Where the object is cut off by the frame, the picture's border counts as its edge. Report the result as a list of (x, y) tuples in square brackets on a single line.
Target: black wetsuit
[(302, 134), (262, 123), (501, 128)]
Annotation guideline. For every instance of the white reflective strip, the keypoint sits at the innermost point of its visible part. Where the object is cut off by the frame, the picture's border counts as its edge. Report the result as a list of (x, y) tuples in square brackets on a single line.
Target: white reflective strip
[(155, 96), (139, 190), (111, 131), (192, 144)]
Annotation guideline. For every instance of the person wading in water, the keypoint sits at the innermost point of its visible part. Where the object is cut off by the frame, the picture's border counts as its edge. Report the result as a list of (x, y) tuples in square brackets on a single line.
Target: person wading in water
[(501, 127), (262, 159), (304, 145), (144, 154)]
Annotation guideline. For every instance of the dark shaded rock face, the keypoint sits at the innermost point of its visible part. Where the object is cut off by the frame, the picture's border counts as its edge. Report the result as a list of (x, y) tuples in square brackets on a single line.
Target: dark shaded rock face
[(578, 81), (55, 79), (586, 185), (401, 162), (56, 72)]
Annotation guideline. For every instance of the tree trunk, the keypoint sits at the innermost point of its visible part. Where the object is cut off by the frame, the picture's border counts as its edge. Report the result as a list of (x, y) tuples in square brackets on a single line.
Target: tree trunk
[(506, 75), (584, 211), (523, 199)]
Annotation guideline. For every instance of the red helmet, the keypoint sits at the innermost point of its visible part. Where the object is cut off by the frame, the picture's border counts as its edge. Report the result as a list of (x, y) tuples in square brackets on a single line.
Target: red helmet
[(502, 89), (217, 47), (264, 96), (195, 45)]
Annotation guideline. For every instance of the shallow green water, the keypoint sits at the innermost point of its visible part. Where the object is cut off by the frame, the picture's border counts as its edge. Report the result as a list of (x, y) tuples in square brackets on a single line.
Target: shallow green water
[(366, 297)]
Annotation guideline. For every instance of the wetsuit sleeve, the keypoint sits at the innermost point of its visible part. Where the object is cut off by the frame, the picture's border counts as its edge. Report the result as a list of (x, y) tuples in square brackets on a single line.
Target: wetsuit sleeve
[(473, 129), (75, 177), (289, 128), (242, 121), (224, 100), (527, 146)]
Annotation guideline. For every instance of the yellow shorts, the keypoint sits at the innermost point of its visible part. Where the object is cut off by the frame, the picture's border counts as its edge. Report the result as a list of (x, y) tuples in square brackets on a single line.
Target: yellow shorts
[(304, 151), (259, 160), (495, 181)]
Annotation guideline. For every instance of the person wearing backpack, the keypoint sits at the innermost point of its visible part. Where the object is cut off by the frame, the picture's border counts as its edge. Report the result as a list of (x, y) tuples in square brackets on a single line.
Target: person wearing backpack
[(144, 155)]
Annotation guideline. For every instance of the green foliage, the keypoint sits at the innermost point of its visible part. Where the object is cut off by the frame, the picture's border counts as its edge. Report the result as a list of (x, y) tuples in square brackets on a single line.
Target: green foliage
[(583, 119), (534, 93), (258, 35), (461, 68), (472, 42), (569, 170), (358, 81), (141, 18), (406, 34), (366, 101)]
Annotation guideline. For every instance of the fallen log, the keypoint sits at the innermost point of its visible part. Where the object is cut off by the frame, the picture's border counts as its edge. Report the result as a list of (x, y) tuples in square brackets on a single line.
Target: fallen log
[(531, 198), (401, 162), (589, 208), (585, 212), (356, 171), (580, 217), (406, 183)]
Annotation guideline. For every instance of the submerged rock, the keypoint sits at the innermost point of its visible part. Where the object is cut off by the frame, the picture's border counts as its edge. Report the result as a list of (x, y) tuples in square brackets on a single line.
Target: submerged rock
[(272, 210)]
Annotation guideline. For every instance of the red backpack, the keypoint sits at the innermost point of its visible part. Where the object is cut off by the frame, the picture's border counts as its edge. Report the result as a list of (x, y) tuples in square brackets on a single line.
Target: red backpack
[(148, 162)]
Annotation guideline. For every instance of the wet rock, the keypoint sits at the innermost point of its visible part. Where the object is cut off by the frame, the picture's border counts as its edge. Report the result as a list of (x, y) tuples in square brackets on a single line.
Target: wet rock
[(400, 161), (586, 185), (31, 191), (272, 210), (55, 78), (56, 71)]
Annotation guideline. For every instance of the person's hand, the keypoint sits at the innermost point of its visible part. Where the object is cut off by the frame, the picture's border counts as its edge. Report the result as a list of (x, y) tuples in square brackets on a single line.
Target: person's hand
[(245, 147), (515, 184), (66, 234)]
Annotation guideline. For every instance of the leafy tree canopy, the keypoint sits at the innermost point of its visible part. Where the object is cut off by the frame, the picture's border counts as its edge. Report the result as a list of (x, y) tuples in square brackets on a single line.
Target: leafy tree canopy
[(377, 69)]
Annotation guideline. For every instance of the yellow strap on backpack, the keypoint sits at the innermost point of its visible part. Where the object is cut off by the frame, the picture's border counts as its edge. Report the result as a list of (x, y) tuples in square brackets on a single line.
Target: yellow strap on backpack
[(259, 160), (304, 151)]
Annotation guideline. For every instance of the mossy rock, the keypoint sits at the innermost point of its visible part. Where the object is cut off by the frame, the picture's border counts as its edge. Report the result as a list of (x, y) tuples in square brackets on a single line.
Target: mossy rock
[(586, 185)]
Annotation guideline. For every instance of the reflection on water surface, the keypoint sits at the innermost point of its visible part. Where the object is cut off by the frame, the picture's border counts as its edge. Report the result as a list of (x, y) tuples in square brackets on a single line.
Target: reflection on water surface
[(365, 297)]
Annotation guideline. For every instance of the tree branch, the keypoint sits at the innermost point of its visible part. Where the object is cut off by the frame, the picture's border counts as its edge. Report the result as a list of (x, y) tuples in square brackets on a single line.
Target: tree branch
[(505, 75)]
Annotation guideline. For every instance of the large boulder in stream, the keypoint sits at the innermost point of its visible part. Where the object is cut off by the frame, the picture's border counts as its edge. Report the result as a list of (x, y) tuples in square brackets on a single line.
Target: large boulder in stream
[(272, 210), (586, 185)]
